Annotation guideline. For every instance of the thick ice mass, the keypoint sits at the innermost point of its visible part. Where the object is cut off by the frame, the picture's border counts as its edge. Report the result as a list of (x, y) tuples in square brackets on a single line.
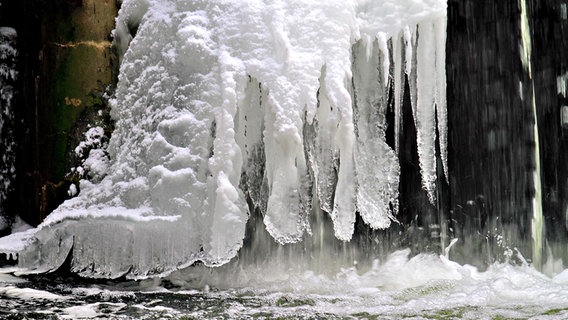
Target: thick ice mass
[(273, 101)]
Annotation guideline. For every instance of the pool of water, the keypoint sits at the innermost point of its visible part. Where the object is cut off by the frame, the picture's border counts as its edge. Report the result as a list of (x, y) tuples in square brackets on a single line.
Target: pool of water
[(420, 287)]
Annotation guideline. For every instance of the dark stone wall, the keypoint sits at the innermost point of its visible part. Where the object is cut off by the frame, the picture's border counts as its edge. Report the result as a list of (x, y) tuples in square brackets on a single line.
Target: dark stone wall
[(65, 65), (23, 16), (8, 86)]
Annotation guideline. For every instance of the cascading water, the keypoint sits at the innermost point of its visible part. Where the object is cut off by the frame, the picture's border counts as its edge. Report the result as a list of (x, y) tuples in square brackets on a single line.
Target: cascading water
[(8, 75), (537, 222)]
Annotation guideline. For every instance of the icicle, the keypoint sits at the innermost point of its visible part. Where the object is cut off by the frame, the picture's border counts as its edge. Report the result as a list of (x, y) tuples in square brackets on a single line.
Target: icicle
[(399, 75), (441, 104), (376, 163), (323, 154), (283, 144), (249, 128), (408, 40), (425, 112), (343, 213), (219, 99), (383, 46), (230, 210)]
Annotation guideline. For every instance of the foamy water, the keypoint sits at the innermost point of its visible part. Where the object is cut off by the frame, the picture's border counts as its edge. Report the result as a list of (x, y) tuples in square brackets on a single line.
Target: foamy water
[(425, 286)]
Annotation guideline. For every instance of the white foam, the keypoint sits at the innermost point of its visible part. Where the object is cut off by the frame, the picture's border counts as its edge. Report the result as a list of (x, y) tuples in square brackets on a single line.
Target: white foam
[(398, 286), (91, 310), (401, 285)]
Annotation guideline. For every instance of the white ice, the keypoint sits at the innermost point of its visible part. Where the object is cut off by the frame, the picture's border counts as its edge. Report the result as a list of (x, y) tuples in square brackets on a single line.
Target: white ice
[(218, 101)]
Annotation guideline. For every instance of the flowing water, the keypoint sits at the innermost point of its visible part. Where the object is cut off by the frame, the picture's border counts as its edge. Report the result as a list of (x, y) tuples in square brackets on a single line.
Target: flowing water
[(420, 287)]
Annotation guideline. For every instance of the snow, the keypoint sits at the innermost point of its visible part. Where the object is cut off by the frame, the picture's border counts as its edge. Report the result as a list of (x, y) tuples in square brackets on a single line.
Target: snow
[(16, 242), (91, 310), (218, 101), (10, 291), (72, 190)]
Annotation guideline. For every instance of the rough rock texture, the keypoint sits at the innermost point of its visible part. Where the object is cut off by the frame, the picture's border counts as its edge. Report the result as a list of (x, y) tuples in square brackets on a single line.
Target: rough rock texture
[(66, 66)]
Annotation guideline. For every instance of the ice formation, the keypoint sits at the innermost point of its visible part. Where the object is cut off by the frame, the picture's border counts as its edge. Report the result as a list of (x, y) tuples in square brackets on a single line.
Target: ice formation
[(92, 154), (272, 101), (8, 75)]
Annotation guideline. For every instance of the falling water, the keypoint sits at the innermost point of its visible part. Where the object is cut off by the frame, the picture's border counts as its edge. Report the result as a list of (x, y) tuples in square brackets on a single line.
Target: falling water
[(8, 75), (537, 218)]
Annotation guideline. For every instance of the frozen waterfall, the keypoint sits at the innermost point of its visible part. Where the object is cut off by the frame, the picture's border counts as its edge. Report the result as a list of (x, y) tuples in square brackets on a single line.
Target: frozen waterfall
[(222, 104)]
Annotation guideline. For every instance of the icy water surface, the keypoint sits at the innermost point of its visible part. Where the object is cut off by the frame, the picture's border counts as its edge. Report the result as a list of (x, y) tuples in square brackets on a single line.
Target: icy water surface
[(421, 287)]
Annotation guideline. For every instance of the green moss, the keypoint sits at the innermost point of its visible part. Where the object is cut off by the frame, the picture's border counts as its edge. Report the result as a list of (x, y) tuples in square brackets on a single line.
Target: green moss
[(554, 311), (447, 314), (272, 317), (450, 313), (285, 301), (246, 294), (65, 30), (91, 20), (365, 315), (262, 315), (78, 84)]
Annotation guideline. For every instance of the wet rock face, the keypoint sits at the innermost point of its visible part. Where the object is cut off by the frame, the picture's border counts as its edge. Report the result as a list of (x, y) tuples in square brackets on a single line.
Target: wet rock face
[(489, 123), (67, 65), (492, 142), (549, 29)]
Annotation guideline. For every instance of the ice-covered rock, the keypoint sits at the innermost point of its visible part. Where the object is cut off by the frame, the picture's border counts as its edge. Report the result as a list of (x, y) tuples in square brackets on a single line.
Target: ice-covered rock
[(218, 101)]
